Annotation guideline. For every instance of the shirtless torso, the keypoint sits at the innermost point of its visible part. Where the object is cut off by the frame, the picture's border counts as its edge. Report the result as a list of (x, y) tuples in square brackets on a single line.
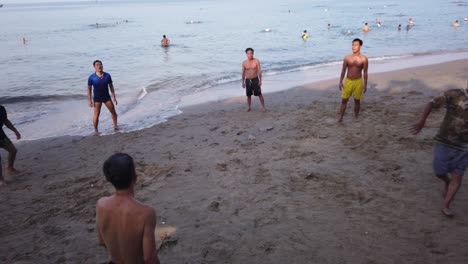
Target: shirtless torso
[(251, 68), (355, 64), (126, 228)]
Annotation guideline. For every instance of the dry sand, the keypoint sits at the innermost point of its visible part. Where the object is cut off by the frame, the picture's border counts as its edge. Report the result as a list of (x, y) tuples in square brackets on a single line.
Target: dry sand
[(286, 186)]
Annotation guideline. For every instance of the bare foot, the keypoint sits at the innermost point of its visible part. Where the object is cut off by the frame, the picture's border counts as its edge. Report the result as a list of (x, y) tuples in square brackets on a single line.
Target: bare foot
[(340, 119), (116, 128), (12, 170), (263, 109), (447, 212), (248, 109), (355, 118), (96, 133)]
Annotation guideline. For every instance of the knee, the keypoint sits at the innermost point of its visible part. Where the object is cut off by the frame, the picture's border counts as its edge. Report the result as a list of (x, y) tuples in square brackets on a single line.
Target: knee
[(456, 179), (13, 150)]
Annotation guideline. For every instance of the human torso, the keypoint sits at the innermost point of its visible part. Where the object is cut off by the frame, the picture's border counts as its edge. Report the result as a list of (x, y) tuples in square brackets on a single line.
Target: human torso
[(355, 65), (251, 68), (165, 42), (454, 128), (100, 85), (3, 116), (121, 224)]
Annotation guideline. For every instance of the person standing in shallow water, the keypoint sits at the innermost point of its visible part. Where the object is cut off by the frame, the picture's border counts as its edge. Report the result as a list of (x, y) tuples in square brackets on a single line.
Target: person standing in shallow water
[(252, 79), (165, 41), (356, 66), (451, 149), (99, 84)]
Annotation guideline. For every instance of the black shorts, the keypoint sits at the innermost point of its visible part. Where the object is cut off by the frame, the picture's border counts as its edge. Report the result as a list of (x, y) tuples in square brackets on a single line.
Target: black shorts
[(102, 100), (251, 87)]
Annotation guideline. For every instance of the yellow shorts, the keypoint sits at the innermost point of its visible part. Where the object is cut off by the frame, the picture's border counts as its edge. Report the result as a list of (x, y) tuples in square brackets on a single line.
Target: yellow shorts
[(352, 87)]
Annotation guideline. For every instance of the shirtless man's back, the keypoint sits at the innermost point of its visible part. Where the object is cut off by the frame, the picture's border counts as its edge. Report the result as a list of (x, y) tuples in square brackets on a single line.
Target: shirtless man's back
[(252, 78), (124, 225), (356, 66)]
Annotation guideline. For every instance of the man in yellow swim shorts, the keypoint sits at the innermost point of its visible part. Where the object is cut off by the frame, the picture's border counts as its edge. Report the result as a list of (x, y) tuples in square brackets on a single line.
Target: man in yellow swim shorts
[(356, 65)]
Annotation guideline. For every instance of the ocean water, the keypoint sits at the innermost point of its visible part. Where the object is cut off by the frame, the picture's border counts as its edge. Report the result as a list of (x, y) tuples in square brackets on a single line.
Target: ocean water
[(44, 82)]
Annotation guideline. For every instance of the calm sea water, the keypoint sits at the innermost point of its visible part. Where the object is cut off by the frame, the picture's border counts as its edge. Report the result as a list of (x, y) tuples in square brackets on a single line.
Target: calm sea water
[(43, 83)]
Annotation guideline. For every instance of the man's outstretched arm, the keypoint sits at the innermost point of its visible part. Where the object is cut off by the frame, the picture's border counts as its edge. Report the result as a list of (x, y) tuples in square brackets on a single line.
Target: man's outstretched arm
[(12, 128)]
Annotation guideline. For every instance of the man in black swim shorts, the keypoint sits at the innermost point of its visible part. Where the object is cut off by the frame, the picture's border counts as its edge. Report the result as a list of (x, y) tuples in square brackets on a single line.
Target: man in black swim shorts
[(252, 79), (6, 143)]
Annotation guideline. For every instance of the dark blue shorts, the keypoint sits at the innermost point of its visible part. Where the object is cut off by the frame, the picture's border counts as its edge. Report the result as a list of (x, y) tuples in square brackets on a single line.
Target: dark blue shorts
[(101, 99), (449, 160)]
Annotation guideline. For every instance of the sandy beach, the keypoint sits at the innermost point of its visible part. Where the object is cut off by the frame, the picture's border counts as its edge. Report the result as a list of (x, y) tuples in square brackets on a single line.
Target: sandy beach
[(286, 186)]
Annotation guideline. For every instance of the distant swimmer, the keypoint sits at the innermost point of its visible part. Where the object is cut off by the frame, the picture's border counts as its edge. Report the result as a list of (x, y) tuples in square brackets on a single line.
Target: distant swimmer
[(305, 36), (165, 41), (5, 143), (356, 66), (410, 22), (366, 27), (456, 24), (399, 27), (24, 40), (101, 82), (252, 79), (329, 26), (466, 20)]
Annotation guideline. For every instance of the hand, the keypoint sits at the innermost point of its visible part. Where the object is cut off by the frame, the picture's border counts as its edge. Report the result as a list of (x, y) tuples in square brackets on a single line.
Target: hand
[(18, 135), (416, 128), (90, 103), (243, 84), (260, 83), (340, 86), (364, 89), (115, 101)]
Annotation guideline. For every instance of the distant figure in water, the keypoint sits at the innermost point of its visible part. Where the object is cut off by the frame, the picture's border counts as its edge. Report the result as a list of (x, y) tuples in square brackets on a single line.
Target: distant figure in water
[(305, 36), (466, 20), (125, 226), (101, 82), (366, 28), (410, 22), (356, 66), (252, 79), (329, 26), (451, 149), (24, 40), (399, 27), (456, 24), (5, 143), (165, 41)]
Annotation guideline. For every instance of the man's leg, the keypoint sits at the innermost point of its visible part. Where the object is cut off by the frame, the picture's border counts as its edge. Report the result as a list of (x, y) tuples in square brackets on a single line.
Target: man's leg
[(452, 189), (445, 178), (249, 102), (2, 180), (97, 112), (344, 103), (262, 101), (111, 108), (11, 157), (357, 107)]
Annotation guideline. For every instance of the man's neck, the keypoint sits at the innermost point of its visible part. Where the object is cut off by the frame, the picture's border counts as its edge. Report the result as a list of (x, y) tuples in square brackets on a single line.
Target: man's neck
[(357, 53), (100, 72), (125, 193)]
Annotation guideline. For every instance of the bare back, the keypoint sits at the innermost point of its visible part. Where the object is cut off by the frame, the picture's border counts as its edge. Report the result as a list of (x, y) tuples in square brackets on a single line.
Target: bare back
[(355, 65), (251, 68), (126, 228)]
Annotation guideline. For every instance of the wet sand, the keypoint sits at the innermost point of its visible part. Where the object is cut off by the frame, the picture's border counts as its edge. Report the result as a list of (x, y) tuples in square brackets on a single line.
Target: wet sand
[(287, 186)]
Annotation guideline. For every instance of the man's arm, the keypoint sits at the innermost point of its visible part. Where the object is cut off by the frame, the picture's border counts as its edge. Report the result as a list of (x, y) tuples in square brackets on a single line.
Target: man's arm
[(12, 128), (150, 253), (366, 66), (416, 128), (111, 86), (90, 101), (98, 231), (243, 76), (343, 72), (259, 74)]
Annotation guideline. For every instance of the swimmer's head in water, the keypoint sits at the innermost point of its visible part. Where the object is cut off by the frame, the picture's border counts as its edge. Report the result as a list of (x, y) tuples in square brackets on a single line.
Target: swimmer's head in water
[(164, 36), (119, 170), (366, 24), (97, 65), (305, 31)]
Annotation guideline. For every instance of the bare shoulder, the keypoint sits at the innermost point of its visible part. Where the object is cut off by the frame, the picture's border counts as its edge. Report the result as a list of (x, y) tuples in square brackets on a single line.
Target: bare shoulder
[(103, 202), (257, 61), (364, 57), (243, 63)]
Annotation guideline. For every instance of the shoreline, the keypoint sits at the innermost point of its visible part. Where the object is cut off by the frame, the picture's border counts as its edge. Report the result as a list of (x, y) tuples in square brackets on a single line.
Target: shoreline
[(288, 185)]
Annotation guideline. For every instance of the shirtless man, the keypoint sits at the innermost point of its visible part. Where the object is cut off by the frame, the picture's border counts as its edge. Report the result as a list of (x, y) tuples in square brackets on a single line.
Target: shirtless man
[(6, 143), (456, 24), (165, 41), (451, 149), (124, 226), (366, 27), (356, 65), (252, 79), (101, 82)]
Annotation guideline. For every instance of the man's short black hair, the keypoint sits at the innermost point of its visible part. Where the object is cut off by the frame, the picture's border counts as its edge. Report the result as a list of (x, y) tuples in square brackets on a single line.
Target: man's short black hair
[(358, 40), (119, 170), (164, 36), (249, 49), (96, 61)]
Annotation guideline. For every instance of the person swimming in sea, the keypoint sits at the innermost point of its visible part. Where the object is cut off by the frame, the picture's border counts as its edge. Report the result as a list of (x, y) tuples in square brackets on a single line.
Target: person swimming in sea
[(305, 36), (366, 27), (329, 26), (456, 24), (165, 41), (399, 27)]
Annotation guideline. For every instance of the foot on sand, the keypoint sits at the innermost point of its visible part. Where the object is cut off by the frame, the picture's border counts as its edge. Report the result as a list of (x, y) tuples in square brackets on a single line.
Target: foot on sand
[(263, 109), (116, 128), (248, 109), (447, 212), (12, 170)]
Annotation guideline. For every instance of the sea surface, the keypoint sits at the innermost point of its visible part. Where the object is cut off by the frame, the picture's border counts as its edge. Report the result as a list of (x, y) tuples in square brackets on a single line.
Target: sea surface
[(44, 82)]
